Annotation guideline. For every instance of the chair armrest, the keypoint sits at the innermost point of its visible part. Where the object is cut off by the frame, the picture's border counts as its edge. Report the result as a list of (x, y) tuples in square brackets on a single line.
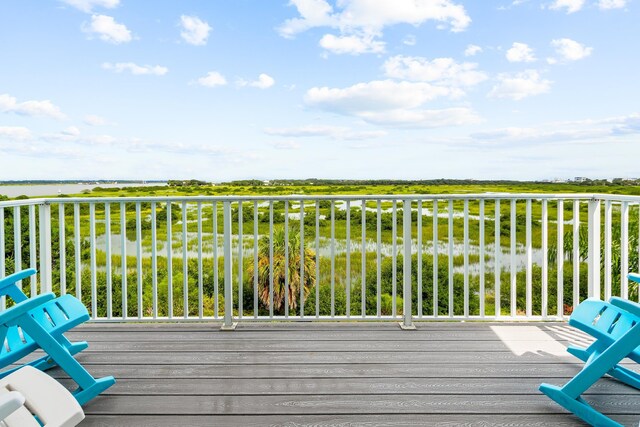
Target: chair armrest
[(8, 284), (629, 306), (634, 277), (9, 403), (24, 307)]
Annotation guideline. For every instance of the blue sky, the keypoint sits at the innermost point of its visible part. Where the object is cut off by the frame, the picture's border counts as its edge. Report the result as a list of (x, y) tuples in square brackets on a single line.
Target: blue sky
[(364, 89)]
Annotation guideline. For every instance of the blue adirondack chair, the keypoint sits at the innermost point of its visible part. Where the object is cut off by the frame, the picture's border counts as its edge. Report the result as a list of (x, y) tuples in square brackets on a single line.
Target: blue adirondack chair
[(616, 327), (39, 322)]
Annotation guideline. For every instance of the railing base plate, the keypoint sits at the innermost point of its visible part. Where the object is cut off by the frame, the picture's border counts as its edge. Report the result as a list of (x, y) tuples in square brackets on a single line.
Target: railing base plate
[(404, 327), (231, 327)]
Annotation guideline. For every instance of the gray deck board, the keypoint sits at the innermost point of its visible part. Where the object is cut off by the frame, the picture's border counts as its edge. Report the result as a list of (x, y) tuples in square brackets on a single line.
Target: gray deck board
[(328, 374)]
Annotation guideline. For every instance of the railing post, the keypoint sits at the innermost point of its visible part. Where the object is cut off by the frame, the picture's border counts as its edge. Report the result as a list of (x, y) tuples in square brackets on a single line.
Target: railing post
[(45, 248), (593, 260), (406, 272), (228, 270)]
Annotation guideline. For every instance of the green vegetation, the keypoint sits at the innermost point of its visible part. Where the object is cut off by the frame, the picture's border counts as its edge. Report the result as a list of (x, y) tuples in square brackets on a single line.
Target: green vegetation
[(203, 284)]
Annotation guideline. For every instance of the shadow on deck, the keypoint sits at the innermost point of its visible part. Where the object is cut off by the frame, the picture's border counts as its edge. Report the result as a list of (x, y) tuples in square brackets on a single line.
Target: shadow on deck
[(324, 374)]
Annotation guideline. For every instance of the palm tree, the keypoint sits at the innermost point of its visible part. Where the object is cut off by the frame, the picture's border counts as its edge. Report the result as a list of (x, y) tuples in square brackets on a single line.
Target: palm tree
[(279, 269)]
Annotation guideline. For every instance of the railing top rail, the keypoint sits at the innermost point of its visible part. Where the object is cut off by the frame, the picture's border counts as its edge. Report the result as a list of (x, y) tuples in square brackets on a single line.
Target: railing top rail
[(22, 202), (341, 197)]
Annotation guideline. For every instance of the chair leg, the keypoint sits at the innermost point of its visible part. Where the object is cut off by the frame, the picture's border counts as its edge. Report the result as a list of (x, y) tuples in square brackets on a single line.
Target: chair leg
[(618, 372), (46, 362), (598, 364), (89, 387), (578, 407), (625, 375)]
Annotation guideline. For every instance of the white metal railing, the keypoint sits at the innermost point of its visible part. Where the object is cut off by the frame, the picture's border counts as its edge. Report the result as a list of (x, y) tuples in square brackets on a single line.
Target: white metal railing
[(325, 257)]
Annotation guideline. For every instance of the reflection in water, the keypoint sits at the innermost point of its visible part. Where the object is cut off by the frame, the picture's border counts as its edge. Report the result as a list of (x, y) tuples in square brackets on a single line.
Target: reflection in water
[(340, 249)]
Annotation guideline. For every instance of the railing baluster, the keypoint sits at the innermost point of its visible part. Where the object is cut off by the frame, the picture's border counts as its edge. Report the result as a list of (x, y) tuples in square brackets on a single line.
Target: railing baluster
[(302, 259), (317, 241), (348, 261), (228, 267), (240, 259), (216, 283), (185, 264), (513, 260), (62, 245), (286, 258), (435, 258), (154, 261), (394, 257), (363, 278), (333, 259), (139, 257), (17, 242), (593, 256), (255, 259), (624, 251), (406, 267), (32, 250), (379, 259), (576, 253), (3, 302), (497, 269), (466, 257), (92, 247), (123, 255), (450, 243), (419, 257), (170, 264), (560, 258), (271, 282), (200, 266), (607, 250), (545, 254), (77, 249), (481, 243), (107, 244), (529, 267), (46, 277)]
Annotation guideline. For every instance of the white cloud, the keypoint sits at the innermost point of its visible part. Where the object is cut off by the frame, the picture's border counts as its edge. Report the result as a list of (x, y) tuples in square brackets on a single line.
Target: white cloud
[(570, 5), (612, 4), (361, 22), (581, 130), (472, 50), (520, 52), (194, 30), (264, 81), (423, 118), (108, 29), (93, 120), (444, 71), (519, 86), (353, 44), (88, 5), (71, 131), (376, 95), (9, 104), (392, 103), (14, 133), (571, 50), (137, 70), (285, 145), (409, 40), (212, 79), (334, 132)]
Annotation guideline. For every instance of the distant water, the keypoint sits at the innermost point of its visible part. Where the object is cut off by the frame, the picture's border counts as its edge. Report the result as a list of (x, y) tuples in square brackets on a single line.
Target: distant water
[(38, 190)]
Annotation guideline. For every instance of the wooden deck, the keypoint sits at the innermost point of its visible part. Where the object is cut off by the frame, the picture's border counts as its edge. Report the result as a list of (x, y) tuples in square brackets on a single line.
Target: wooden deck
[(324, 374)]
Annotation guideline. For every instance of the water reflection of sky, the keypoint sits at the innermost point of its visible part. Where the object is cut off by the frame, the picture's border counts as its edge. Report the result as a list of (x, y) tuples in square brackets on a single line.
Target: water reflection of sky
[(339, 248)]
